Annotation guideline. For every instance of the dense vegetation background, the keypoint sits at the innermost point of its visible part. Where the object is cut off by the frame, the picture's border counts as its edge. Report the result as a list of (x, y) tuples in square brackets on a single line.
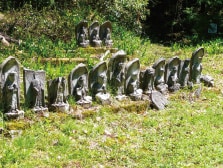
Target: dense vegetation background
[(160, 20)]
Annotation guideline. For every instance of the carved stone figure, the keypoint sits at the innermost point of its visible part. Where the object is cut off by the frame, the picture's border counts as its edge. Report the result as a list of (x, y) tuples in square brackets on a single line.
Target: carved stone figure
[(78, 85), (57, 95), (159, 101), (105, 33), (94, 34), (10, 89), (81, 31), (196, 66), (171, 74), (159, 81), (116, 74), (184, 72), (132, 70), (98, 82), (207, 80), (147, 80), (34, 84)]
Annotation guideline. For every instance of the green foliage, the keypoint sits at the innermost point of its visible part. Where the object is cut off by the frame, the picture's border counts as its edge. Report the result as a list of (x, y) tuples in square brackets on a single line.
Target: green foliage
[(128, 13)]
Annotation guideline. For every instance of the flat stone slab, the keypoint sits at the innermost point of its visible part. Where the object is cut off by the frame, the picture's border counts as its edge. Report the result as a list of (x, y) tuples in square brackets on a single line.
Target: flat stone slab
[(159, 101)]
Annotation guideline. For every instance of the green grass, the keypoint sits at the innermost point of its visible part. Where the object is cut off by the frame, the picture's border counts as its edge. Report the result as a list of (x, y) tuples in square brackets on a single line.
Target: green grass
[(188, 133)]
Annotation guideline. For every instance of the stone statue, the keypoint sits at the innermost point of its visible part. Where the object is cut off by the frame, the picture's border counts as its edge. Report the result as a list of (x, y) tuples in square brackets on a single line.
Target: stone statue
[(207, 80), (147, 80), (98, 82), (132, 70), (196, 66), (34, 84), (171, 74), (116, 74), (81, 31), (10, 89), (158, 100), (57, 95), (105, 33), (78, 85), (159, 81), (94, 34), (184, 72)]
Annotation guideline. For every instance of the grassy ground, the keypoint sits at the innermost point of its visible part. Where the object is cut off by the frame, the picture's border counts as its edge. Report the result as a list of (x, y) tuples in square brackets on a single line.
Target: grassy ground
[(188, 133)]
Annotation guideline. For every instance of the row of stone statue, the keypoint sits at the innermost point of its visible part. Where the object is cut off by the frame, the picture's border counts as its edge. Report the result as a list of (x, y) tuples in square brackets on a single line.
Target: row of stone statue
[(124, 77), (95, 35)]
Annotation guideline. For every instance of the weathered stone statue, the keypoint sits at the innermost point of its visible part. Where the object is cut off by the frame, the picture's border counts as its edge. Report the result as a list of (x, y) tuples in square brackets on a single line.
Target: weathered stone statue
[(171, 74), (147, 80), (132, 70), (81, 31), (34, 85), (116, 74), (105, 33), (184, 72), (57, 95), (207, 80), (78, 85), (10, 89), (159, 81), (98, 82), (94, 34), (158, 100), (196, 66)]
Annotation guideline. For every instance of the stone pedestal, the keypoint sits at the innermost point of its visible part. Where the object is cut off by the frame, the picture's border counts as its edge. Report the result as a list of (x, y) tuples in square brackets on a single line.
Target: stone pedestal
[(63, 107), (18, 114)]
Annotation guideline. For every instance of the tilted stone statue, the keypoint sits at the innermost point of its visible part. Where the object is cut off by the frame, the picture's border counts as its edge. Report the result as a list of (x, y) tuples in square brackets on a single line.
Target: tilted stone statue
[(159, 81), (196, 65), (78, 85), (34, 86), (57, 95), (81, 32), (132, 89), (98, 83), (158, 100), (105, 33), (184, 72), (10, 88), (94, 37), (116, 73), (207, 80), (171, 74)]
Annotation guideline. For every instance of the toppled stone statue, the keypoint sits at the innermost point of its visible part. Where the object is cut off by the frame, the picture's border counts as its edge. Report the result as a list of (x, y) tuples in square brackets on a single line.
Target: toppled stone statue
[(159, 81), (207, 80), (116, 74), (94, 34), (81, 32), (34, 85), (10, 89), (105, 33), (98, 83), (158, 100), (78, 85), (57, 95), (184, 72), (171, 74), (196, 65), (132, 89)]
